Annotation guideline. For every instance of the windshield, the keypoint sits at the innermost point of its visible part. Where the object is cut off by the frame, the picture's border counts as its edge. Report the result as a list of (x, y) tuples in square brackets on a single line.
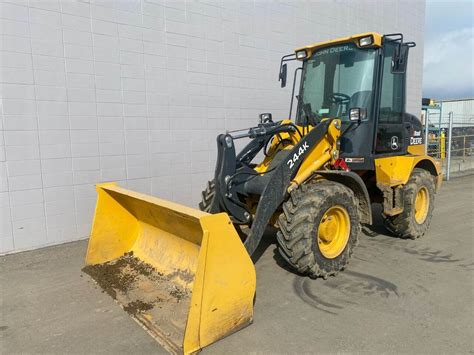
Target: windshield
[(336, 79)]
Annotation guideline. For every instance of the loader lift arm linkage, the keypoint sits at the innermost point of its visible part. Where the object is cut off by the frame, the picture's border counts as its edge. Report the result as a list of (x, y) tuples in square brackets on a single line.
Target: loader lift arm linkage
[(228, 165)]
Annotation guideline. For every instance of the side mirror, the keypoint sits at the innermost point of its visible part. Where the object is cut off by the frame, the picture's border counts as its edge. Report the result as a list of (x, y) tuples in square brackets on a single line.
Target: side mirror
[(283, 74), (400, 59)]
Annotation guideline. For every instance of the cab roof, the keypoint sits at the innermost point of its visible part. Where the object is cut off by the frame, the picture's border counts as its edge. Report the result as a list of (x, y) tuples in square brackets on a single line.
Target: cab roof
[(377, 42)]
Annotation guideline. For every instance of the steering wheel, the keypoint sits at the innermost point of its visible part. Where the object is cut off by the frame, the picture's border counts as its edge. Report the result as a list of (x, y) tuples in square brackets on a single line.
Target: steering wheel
[(339, 98)]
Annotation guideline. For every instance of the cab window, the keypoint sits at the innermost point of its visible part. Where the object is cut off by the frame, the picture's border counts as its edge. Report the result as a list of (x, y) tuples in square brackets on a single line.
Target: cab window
[(391, 99)]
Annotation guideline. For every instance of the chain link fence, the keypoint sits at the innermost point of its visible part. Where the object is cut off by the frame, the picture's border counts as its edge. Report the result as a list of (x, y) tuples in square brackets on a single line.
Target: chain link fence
[(450, 139)]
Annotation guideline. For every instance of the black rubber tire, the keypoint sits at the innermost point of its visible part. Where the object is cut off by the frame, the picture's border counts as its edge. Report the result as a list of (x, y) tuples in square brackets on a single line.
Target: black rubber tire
[(206, 199), (206, 196), (404, 224), (299, 222)]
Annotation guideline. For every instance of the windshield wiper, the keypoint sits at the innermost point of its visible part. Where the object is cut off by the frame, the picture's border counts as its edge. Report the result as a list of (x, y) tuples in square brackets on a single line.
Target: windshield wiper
[(310, 115)]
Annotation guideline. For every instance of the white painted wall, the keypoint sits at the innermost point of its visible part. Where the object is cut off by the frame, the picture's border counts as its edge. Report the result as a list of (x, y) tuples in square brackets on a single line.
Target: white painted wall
[(136, 90)]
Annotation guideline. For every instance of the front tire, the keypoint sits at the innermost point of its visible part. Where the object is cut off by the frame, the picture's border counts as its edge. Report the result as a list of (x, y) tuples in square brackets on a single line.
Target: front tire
[(418, 204), (319, 228)]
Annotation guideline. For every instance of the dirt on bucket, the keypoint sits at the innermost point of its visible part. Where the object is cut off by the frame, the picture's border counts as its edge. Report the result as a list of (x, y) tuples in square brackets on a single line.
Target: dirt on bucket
[(154, 299), (121, 274)]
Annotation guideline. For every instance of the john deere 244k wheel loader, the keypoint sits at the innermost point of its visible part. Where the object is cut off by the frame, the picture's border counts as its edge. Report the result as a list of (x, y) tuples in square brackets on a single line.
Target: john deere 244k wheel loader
[(187, 276)]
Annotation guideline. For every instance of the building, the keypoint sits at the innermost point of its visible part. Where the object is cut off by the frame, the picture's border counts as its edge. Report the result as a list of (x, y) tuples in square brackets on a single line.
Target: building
[(438, 111), (462, 109), (136, 91)]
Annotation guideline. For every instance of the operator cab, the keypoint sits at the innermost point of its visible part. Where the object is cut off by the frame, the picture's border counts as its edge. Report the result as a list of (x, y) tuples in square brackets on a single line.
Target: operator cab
[(360, 80)]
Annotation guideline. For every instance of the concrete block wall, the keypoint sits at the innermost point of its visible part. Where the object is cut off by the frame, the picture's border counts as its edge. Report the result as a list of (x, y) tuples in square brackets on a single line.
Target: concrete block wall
[(135, 91)]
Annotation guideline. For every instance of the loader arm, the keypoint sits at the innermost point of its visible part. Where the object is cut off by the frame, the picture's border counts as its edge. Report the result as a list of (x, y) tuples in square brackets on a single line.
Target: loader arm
[(233, 170), (277, 188), (235, 177)]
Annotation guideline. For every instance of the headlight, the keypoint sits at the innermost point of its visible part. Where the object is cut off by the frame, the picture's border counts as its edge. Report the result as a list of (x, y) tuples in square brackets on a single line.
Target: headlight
[(265, 117), (301, 54), (366, 41)]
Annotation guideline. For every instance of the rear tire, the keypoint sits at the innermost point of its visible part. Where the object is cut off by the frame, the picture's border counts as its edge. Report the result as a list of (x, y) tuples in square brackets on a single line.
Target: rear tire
[(301, 240), (418, 204), (206, 196)]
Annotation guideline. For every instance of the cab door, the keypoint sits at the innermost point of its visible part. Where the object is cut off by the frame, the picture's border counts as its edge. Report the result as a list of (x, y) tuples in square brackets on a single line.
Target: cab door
[(390, 138)]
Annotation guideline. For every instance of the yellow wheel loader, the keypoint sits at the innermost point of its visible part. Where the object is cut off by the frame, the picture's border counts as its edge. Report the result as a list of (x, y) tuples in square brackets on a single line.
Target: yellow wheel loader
[(187, 275)]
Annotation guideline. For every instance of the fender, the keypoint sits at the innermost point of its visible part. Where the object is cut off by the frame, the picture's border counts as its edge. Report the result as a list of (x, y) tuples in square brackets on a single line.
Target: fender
[(356, 184), (396, 170)]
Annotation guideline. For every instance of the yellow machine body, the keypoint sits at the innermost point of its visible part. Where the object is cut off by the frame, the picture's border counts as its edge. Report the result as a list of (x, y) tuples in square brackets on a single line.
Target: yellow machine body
[(396, 170), (190, 253)]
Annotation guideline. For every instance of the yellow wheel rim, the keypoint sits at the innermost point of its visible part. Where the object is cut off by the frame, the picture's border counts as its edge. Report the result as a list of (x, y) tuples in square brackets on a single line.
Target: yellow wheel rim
[(333, 231), (422, 204)]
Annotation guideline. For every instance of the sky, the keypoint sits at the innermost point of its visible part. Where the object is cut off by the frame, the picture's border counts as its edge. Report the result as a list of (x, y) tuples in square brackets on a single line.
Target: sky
[(449, 49)]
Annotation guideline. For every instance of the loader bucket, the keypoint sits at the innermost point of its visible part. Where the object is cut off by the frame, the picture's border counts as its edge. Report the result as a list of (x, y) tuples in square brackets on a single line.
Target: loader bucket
[(183, 274)]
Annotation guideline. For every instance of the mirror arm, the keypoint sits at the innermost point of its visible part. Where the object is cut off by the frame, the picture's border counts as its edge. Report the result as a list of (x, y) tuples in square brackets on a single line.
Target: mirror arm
[(400, 55), (285, 58), (350, 125)]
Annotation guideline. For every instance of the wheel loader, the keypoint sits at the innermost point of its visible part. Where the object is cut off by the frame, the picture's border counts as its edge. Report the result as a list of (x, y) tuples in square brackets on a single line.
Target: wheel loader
[(187, 276)]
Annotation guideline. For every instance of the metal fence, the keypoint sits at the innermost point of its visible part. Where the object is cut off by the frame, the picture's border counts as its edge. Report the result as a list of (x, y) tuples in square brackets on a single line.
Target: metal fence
[(450, 139)]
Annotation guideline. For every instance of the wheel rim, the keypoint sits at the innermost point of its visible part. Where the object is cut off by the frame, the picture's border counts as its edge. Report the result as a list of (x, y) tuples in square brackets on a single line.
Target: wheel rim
[(422, 204), (333, 231)]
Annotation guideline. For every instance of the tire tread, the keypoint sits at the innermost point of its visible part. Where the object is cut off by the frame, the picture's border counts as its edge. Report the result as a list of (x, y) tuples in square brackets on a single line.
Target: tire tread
[(295, 236)]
